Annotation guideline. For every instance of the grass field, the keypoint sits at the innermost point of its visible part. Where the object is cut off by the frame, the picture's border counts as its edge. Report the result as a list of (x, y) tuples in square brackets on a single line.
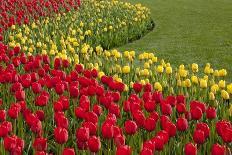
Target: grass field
[(189, 31)]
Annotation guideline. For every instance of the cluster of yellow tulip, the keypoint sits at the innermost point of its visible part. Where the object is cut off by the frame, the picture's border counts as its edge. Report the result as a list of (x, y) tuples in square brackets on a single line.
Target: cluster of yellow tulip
[(108, 23)]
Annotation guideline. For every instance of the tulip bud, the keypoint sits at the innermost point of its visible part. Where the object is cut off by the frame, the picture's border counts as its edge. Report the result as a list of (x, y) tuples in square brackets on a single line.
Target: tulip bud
[(190, 149)]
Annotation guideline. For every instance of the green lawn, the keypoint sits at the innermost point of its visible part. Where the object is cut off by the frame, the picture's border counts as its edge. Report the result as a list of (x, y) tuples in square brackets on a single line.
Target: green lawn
[(189, 31)]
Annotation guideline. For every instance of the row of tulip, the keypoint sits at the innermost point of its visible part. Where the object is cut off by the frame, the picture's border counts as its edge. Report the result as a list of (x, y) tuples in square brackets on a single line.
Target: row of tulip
[(112, 23), (57, 108)]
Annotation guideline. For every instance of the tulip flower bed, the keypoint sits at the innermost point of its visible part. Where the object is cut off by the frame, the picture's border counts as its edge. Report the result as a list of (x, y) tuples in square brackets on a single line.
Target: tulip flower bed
[(60, 108), (63, 92)]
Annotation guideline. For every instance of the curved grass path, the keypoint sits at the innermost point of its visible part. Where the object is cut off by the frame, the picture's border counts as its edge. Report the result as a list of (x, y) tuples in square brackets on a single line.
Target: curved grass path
[(189, 31)]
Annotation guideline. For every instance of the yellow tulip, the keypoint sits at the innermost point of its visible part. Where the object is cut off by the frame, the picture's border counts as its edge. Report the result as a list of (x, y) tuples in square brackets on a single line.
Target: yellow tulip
[(222, 83), (225, 95), (214, 88), (229, 88), (142, 82), (183, 72), (188, 83), (126, 88), (160, 69), (146, 65), (203, 83), (195, 67), (222, 72), (211, 96), (169, 70), (216, 73), (100, 74), (146, 72), (194, 79), (158, 86), (207, 70), (126, 69), (126, 54), (154, 59)]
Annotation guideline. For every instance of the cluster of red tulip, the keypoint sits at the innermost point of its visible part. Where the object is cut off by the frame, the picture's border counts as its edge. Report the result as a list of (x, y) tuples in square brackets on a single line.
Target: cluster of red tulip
[(18, 12), (50, 107)]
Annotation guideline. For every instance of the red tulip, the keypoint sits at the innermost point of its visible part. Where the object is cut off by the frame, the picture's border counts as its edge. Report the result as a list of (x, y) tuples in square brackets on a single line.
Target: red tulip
[(159, 143), (13, 112), (40, 144), (150, 145), (139, 118), (36, 87), (157, 96), (170, 128), (148, 87), (204, 127), (94, 73), (150, 106), (65, 102), (114, 109), (41, 100), (63, 122), (211, 113), (97, 109), (107, 131), (130, 127), (91, 126), (82, 145), (227, 135), (74, 91), (68, 151), (190, 149), (82, 134), (79, 68), (65, 63), (59, 88), (180, 107), (171, 100), (40, 115), (180, 99), (182, 124), (147, 96), (196, 113), (79, 112), (146, 151), (20, 95), (119, 140), (57, 106), (2, 115), (3, 131), (36, 126), (91, 117), (199, 137), (61, 135), (164, 120), (218, 150), (137, 87), (221, 125), (164, 134), (57, 63), (150, 124), (166, 109), (125, 150), (94, 144)]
